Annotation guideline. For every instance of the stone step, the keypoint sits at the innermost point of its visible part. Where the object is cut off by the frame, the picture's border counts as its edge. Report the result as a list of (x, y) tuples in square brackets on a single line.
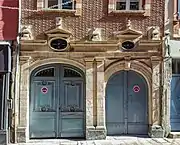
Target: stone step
[(174, 135)]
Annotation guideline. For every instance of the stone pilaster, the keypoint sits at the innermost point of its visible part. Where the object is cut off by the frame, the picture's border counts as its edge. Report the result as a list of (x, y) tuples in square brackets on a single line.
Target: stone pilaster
[(156, 129), (22, 126), (89, 99), (166, 96), (101, 125), (96, 129)]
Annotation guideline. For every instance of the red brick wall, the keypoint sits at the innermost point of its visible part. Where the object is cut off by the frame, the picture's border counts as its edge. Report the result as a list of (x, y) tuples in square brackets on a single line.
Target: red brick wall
[(94, 14), (8, 20)]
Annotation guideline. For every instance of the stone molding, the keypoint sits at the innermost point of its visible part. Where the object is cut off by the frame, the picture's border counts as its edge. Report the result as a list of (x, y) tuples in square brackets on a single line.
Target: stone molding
[(137, 66), (38, 63)]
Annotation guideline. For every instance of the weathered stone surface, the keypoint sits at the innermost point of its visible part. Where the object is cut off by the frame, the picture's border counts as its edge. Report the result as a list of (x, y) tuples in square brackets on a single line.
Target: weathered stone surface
[(156, 131), (96, 134), (21, 135)]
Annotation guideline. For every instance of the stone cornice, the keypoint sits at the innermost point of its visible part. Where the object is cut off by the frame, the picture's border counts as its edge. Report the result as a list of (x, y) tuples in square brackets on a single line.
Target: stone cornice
[(92, 46), (33, 42), (91, 55)]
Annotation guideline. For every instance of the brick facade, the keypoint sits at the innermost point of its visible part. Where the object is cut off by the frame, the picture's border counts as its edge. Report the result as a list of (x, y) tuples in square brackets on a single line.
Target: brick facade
[(94, 14), (98, 59)]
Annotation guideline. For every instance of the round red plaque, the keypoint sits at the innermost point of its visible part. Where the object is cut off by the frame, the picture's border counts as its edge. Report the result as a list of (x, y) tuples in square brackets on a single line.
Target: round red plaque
[(44, 90), (136, 88)]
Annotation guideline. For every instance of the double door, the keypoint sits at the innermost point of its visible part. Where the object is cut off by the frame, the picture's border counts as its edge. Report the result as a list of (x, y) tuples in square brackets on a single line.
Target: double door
[(126, 104), (56, 103), (175, 103)]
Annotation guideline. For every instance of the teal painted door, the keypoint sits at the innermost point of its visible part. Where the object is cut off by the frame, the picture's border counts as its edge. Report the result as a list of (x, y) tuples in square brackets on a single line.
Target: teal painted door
[(56, 102), (126, 104), (175, 103)]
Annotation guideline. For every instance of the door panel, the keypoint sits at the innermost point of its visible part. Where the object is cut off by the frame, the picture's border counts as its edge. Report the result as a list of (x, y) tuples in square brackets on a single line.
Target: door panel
[(175, 103), (72, 112), (126, 110), (114, 105), (137, 104), (43, 110)]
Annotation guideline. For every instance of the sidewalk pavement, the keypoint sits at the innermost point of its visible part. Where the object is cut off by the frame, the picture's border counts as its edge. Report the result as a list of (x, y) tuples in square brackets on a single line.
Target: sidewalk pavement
[(119, 140)]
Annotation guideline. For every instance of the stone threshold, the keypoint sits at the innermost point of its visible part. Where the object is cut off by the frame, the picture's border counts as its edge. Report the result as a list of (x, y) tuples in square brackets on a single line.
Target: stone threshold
[(174, 135)]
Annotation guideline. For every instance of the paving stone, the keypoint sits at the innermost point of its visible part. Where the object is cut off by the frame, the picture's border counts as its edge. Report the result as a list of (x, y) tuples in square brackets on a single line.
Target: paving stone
[(109, 141)]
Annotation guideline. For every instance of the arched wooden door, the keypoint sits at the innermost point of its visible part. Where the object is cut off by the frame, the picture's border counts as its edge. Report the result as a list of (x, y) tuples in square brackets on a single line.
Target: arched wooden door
[(126, 104), (175, 103), (57, 102)]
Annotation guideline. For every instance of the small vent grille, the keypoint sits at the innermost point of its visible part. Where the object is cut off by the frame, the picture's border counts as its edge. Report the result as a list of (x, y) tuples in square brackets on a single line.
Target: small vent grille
[(71, 73), (49, 72)]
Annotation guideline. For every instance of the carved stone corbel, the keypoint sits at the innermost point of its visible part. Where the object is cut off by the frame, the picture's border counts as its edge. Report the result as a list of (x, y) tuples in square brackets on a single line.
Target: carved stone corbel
[(127, 63), (26, 32), (153, 33)]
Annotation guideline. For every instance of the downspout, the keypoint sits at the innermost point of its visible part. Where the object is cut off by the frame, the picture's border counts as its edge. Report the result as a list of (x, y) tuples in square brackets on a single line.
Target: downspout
[(163, 60), (95, 93), (16, 75)]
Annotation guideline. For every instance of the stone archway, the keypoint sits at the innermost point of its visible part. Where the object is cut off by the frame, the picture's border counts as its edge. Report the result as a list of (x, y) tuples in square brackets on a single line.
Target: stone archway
[(26, 69), (126, 104), (141, 69)]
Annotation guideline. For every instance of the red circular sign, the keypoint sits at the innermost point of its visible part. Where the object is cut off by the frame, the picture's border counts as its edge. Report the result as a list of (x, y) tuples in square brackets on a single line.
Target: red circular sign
[(44, 90), (136, 88)]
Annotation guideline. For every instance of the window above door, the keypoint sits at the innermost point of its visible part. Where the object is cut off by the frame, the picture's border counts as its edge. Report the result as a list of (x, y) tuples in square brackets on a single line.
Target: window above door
[(60, 6), (130, 7)]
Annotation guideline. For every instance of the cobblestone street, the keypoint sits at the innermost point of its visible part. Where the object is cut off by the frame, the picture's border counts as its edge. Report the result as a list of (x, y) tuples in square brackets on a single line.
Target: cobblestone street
[(122, 140)]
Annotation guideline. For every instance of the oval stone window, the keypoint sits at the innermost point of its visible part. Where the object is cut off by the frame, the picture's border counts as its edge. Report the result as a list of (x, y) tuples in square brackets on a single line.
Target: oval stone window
[(59, 44), (128, 45)]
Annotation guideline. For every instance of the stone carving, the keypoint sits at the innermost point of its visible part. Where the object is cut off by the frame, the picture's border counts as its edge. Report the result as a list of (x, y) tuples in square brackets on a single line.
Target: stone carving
[(128, 24), (154, 33), (59, 22), (26, 32), (96, 34)]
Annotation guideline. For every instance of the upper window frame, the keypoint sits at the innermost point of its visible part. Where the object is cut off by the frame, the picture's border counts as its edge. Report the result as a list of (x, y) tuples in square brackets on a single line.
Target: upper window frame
[(60, 6), (144, 8), (128, 4), (77, 10)]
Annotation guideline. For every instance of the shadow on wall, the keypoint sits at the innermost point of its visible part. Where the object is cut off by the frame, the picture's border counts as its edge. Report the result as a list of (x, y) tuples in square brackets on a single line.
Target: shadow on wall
[(8, 20)]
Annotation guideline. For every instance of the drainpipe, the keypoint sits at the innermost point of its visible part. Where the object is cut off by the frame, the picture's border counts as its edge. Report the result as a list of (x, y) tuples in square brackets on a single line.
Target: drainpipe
[(161, 115), (95, 93), (16, 77)]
